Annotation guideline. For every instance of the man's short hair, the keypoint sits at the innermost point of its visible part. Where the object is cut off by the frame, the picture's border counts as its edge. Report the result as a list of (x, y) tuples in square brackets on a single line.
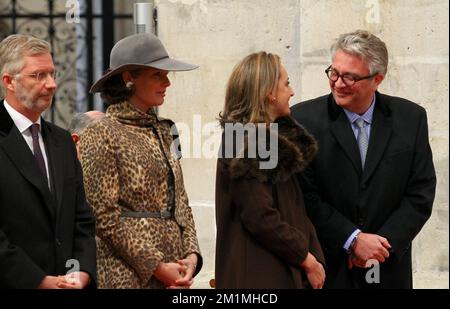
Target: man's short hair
[(365, 45), (14, 48), (80, 122)]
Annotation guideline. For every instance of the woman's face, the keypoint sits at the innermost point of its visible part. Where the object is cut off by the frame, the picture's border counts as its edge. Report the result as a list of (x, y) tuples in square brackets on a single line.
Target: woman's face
[(150, 88), (279, 101)]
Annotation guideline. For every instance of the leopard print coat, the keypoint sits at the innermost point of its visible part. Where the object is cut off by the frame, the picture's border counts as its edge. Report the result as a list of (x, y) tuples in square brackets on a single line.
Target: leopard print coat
[(128, 166)]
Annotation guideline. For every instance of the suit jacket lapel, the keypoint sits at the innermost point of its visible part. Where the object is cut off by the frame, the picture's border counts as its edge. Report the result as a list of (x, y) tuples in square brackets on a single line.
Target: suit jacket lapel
[(55, 162), (380, 134), (20, 154), (340, 128)]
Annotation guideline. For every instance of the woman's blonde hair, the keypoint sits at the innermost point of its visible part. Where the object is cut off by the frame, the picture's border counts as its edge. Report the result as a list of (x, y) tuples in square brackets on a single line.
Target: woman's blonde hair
[(248, 88)]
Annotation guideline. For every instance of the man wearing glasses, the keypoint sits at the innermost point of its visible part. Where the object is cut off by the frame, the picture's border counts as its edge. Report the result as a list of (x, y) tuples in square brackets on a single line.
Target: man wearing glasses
[(45, 223), (371, 186)]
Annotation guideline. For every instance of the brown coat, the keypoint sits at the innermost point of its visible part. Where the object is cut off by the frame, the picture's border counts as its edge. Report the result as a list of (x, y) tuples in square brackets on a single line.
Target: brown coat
[(128, 167), (263, 232)]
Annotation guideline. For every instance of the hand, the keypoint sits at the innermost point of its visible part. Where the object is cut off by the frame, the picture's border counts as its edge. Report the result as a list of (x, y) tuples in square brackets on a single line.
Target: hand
[(190, 262), (74, 280), (371, 246), (357, 262), (314, 271), (169, 273), (50, 282)]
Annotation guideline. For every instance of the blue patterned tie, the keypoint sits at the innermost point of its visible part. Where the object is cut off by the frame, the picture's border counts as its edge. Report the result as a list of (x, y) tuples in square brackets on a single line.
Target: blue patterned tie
[(363, 139), (34, 128)]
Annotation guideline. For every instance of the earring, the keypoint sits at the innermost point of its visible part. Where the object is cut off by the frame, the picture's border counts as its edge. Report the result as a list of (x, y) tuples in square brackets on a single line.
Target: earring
[(273, 99), (129, 85)]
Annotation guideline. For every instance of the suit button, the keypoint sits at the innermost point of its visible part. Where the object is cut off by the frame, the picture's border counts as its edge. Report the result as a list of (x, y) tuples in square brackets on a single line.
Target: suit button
[(58, 243)]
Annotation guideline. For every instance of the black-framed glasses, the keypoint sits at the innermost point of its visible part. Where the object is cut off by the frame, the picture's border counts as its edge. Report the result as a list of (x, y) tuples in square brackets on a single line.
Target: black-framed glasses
[(41, 76), (347, 79)]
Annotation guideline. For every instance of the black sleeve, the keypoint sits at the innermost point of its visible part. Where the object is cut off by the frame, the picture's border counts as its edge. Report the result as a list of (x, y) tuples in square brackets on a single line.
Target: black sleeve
[(415, 208)]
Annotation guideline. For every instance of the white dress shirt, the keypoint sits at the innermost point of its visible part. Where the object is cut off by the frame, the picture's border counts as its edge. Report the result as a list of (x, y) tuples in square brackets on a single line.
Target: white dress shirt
[(23, 124)]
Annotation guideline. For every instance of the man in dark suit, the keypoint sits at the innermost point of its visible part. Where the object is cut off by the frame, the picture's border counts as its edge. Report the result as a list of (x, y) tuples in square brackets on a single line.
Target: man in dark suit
[(46, 227), (371, 187)]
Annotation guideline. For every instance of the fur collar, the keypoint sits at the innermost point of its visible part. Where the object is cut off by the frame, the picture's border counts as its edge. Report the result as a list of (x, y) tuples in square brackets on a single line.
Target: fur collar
[(296, 149)]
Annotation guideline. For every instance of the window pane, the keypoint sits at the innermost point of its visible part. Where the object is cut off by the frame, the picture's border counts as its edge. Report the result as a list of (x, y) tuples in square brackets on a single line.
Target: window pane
[(34, 27), (123, 28), (5, 27), (32, 7), (5, 7)]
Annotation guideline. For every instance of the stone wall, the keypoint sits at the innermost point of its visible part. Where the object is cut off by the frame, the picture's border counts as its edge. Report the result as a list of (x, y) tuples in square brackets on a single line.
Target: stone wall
[(216, 34)]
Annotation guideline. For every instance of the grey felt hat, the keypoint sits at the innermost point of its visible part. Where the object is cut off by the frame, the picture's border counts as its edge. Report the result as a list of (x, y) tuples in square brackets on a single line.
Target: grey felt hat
[(136, 51)]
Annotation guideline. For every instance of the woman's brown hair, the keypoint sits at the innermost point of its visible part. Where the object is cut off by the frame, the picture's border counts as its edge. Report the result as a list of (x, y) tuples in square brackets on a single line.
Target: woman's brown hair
[(115, 91), (250, 83)]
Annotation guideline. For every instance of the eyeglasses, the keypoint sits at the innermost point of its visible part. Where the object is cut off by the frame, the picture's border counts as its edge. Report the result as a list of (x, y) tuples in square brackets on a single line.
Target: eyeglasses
[(347, 79), (41, 76)]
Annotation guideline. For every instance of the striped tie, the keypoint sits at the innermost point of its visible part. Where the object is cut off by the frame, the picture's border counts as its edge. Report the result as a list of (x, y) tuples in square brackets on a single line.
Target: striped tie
[(363, 139), (34, 128)]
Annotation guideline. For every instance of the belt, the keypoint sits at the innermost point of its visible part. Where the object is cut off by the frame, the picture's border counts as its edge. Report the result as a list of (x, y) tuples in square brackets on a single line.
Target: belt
[(163, 214)]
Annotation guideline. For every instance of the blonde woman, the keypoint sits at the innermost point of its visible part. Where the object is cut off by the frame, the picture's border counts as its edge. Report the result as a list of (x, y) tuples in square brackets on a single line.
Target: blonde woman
[(264, 237)]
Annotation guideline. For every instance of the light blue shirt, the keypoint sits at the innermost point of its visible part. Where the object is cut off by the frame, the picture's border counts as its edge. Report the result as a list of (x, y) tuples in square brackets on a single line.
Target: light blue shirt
[(352, 117), (367, 116)]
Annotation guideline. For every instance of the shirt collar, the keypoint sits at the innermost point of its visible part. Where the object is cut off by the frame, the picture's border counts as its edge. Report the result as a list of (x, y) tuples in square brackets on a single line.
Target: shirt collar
[(367, 116), (22, 123)]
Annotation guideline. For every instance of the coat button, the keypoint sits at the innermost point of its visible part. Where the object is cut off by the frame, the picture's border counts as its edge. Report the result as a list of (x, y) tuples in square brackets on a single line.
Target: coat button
[(58, 243)]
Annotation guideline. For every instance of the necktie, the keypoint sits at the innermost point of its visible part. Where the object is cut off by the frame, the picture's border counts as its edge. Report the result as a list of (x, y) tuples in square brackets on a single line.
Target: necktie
[(34, 128), (363, 139)]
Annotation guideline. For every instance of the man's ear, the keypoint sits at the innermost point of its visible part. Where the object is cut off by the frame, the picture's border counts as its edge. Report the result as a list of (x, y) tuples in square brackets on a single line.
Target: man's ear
[(7, 80), (378, 79), (75, 138)]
